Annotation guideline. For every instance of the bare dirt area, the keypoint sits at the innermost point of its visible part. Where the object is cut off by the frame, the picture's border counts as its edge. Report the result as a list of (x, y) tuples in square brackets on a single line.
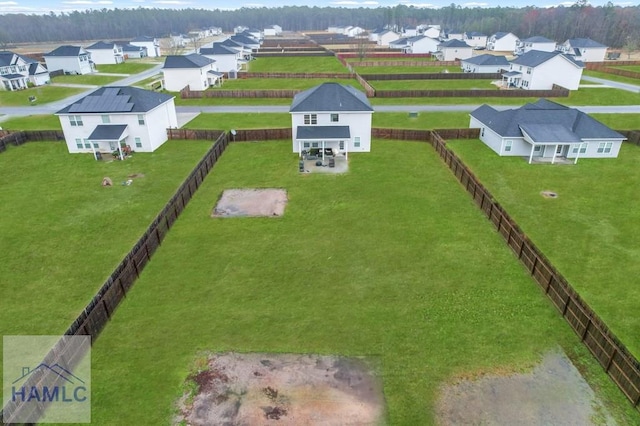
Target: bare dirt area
[(553, 393), (266, 202), (282, 389)]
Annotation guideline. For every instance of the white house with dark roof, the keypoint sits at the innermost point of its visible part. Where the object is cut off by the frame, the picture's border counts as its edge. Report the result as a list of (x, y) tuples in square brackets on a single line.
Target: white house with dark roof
[(538, 43), (70, 59), (113, 117), (135, 52), (584, 49), (536, 70), (453, 49), (248, 42), (104, 53), (150, 43), (451, 34), (385, 37), (502, 42), (227, 59), (485, 63), (193, 70), (475, 39), (272, 30), (18, 71), (545, 130), (331, 115), (401, 44), (421, 44)]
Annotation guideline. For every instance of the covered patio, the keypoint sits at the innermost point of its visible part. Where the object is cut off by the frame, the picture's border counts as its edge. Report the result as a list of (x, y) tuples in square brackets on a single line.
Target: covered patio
[(13, 82), (511, 79), (551, 143), (109, 138)]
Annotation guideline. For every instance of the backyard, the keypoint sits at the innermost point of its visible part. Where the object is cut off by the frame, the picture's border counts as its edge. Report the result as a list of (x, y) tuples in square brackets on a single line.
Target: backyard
[(589, 231), (327, 64), (355, 267)]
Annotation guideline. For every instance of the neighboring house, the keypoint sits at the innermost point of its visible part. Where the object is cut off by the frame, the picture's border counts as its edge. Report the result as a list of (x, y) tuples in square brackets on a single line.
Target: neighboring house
[(453, 49), (179, 41), (354, 31), (539, 43), (227, 59), (537, 70), (18, 71), (253, 33), (502, 42), (272, 30), (244, 50), (475, 39), (116, 116), (240, 28), (103, 53), (432, 31), (584, 49), (401, 44), (374, 35), (485, 64), (249, 43), (451, 34), (152, 44), (545, 130), (193, 70), (131, 51), (410, 32), (331, 115), (385, 37), (69, 59), (421, 44)]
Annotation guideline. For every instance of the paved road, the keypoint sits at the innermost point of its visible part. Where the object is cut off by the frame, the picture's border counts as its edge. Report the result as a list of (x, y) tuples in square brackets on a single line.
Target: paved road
[(615, 84), (53, 107)]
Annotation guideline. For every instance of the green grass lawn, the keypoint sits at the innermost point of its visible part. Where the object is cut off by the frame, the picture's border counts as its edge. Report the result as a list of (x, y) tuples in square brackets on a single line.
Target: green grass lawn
[(391, 260), (405, 69), (63, 233), (619, 121), (43, 94), (374, 58), (432, 84), (228, 101), (635, 68), (589, 232), (96, 80), (297, 65), (32, 122), (128, 67), (145, 83), (281, 83)]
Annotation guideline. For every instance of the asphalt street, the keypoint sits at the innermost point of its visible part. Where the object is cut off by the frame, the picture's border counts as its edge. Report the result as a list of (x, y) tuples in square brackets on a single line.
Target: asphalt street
[(53, 107)]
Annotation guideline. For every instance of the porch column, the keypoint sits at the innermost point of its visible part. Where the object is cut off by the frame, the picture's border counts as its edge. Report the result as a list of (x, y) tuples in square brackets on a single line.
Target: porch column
[(577, 153), (299, 148), (120, 150), (323, 151), (94, 150), (346, 149), (553, 159), (531, 154)]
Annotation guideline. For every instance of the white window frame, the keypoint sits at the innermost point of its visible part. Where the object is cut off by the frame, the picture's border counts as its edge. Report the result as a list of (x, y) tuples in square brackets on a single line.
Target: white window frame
[(106, 119), (581, 148), (138, 142), (311, 119), (356, 142), (79, 143), (75, 120), (508, 145), (604, 147), (141, 119), (335, 118)]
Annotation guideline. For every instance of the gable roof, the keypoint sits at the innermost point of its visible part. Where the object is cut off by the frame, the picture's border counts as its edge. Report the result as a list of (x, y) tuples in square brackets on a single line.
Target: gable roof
[(544, 120), (7, 58), (192, 60), (475, 34), (533, 58), (537, 39), (486, 59), (583, 42), (117, 99), (132, 48), (107, 132), (101, 45), (330, 97), (243, 39), (218, 49), (454, 43), (501, 34), (401, 41), (230, 43), (67, 51)]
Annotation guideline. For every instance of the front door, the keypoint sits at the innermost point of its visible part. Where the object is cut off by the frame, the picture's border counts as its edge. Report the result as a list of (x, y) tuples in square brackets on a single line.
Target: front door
[(561, 150)]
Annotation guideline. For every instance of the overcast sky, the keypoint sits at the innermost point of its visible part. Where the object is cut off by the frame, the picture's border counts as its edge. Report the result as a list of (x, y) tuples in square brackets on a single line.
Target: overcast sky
[(57, 6)]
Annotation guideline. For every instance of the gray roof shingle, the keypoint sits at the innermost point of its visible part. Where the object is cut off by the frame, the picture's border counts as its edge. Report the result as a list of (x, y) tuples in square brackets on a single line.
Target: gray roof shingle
[(487, 59), (66, 51), (323, 132), (192, 60), (107, 132), (583, 42), (533, 58), (453, 43), (117, 99), (545, 120), (330, 97)]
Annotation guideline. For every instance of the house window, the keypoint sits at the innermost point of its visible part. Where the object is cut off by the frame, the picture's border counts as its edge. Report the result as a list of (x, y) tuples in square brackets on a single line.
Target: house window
[(138, 143), (582, 148), (310, 119), (141, 119), (507, 146), (528, 70), (604, 147), (95, 145), (306, 145), (341, 146), (482, 131), (87, 144), (75, 120), (537, 148), (106, 119), (79, 143), (356, 142), (334, 118), (315, 145)]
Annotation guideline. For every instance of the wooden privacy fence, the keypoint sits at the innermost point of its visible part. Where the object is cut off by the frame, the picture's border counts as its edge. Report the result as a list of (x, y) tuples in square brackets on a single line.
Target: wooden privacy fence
[(469, 93), (617, 361), (240, 136), (18, 138), (343, 75), (434, 76), (383, 55), (218, 93), (97, 313), (633, 136), (608, 68)]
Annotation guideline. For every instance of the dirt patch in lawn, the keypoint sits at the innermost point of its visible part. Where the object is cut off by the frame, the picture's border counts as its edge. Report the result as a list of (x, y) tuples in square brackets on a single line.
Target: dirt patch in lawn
[(251, 202), (282, 389), (549, 194), (553, 393)]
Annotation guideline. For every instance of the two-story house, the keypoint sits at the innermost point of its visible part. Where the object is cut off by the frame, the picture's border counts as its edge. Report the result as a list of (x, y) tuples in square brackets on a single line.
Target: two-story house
[(539, 43), (331, 115), (502, 42), (584, 49), (536, 70), (18, 72), (227, 59), (70, 59), (103, 53), (194, 70), (152, 45)]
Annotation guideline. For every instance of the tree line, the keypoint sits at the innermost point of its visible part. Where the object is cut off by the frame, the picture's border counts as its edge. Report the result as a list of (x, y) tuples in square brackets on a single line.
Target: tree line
[(612, 25)]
